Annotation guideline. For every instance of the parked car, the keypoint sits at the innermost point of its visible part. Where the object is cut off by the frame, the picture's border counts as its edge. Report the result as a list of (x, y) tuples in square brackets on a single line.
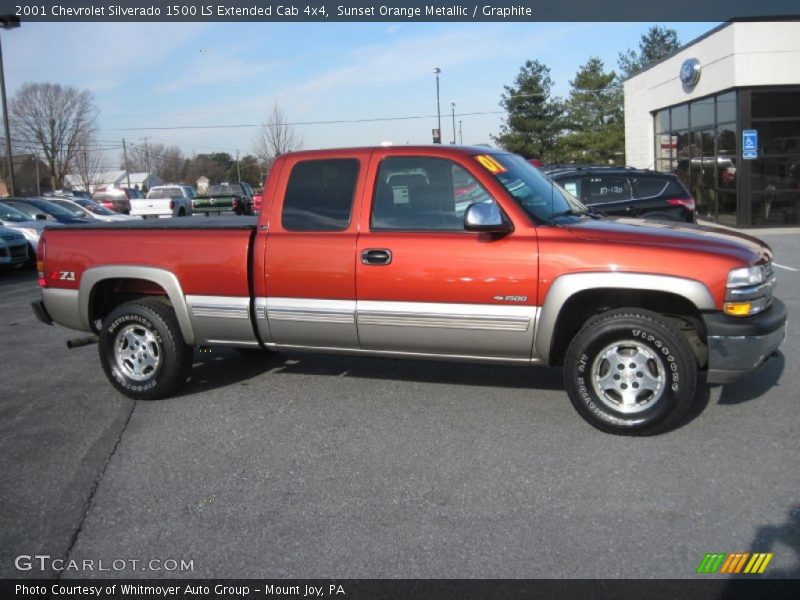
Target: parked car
[(12, 218), (235, 197), (117, 199), (172, 200), (43, 209), (71, 194), (257, 196), (13, 249), (367, 261), (627, 192), (81, 207)]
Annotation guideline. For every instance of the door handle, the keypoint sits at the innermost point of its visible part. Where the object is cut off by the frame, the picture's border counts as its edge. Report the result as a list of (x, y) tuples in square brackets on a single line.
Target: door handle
[(376, 256)]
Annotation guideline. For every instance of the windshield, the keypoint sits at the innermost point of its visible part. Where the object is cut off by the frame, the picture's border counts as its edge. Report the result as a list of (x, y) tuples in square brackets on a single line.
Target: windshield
[(539, 197), (75, 211), (93, 207), (224, 190), (11, 214), (52, 209)]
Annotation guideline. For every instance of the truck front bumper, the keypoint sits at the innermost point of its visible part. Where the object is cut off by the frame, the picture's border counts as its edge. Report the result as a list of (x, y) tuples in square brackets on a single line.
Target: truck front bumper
[(737, 345)]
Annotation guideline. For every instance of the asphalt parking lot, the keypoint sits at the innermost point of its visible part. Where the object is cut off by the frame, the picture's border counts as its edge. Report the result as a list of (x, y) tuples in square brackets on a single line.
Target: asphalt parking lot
[(320, 466)]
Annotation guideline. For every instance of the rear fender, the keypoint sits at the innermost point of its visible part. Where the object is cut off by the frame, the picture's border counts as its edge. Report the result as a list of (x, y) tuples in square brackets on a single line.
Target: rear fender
[(161, 277)]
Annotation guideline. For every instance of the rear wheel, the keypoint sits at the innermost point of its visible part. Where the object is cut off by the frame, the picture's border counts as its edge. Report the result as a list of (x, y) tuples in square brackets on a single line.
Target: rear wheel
[(142, 351), (630, 372)]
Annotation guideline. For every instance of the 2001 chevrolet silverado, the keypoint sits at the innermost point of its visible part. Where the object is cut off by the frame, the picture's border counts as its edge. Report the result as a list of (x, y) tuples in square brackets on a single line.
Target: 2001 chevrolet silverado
[(456, 253)]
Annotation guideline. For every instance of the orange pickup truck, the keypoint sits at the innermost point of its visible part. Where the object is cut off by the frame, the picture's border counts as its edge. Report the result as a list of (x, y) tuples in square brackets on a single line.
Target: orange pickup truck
[(454, 253)]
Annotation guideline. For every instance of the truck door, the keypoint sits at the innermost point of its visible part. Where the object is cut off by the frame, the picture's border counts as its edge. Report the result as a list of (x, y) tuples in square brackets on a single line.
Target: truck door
[(310, 252), (426, 285)]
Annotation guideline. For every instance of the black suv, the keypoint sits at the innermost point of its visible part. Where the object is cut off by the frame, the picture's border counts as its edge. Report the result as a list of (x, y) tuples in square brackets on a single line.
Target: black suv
[(624, 191)]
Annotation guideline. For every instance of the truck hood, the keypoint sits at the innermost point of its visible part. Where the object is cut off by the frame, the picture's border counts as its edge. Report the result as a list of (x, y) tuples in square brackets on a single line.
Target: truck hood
[(667, 234)]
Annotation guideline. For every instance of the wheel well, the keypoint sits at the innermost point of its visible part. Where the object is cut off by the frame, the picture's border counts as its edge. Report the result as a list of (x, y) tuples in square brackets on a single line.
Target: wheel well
[(582, 306), (110, 293)]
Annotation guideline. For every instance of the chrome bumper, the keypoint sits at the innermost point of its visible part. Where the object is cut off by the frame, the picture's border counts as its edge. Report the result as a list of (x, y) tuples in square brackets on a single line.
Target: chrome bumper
[(732, 353)]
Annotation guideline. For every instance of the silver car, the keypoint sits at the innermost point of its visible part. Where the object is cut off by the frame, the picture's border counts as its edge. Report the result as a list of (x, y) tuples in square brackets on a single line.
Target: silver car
[(17, 220), (81, 207)]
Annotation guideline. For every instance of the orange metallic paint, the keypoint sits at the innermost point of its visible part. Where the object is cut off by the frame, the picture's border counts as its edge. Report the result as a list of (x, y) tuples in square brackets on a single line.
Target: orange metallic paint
[(427, 267)]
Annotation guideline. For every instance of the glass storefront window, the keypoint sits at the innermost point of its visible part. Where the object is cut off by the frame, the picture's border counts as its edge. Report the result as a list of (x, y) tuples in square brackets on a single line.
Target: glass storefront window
[(680, 117), (775, 208), (727, 157), (662, 121), (775, 104), (702, 113), (726, 107)]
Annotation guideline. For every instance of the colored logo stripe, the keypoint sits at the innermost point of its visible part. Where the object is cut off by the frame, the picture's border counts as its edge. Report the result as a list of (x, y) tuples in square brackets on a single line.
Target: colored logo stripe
[(734, 563), (758, 563), (711, 563)]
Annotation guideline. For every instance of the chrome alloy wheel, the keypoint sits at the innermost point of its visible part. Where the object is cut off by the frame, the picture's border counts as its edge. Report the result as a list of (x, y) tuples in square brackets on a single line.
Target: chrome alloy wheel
[(137, 352), (628, 377)]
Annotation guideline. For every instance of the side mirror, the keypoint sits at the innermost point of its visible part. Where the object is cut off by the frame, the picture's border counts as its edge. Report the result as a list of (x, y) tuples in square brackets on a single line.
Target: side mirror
[(486, 218)]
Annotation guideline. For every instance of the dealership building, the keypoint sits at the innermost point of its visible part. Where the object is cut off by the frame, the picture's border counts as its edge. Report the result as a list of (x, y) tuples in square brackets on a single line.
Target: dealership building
[(723, 114)]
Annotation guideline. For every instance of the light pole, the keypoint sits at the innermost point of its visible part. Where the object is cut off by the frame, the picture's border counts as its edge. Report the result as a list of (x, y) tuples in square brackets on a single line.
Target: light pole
[(436, 71), (7, 22), (460, 133), (453, 111)]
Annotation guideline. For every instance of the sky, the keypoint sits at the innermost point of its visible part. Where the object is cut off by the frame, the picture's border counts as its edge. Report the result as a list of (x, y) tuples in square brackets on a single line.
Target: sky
[(203, 75)]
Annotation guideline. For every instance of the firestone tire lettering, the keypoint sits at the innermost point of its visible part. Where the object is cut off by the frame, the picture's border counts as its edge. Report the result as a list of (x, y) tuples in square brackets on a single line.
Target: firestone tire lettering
[(159, 319)]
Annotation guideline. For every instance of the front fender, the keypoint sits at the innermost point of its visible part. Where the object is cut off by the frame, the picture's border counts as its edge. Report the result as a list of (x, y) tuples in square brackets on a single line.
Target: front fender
[(566, 286)]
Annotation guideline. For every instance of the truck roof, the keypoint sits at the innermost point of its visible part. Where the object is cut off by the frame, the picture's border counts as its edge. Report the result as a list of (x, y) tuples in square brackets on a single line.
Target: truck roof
[(426, 149)]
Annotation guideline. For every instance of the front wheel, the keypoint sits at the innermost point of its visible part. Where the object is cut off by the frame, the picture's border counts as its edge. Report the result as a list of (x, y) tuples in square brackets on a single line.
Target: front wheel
[(142, 351), (630, 372)]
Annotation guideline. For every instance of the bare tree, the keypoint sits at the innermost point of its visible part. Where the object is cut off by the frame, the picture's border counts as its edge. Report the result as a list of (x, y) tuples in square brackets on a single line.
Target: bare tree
[(55, 120), (88, 166), (164, 161), (275, 137)]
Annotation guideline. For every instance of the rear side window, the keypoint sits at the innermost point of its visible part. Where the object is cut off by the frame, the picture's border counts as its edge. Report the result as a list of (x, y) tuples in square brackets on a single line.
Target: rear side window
[(319, 195), (168, 192), (650, 187), (608, 188)]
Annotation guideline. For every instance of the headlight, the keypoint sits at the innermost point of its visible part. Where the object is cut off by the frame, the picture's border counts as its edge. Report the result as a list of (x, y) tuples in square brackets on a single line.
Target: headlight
[(746, 276), (749, 290)]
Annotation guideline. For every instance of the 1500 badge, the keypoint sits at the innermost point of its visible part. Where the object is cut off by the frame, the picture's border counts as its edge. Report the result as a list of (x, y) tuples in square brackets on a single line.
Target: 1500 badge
[(511, 298)]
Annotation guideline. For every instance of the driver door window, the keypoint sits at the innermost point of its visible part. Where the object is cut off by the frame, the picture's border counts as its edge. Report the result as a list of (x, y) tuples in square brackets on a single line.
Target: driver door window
[(423, 194)]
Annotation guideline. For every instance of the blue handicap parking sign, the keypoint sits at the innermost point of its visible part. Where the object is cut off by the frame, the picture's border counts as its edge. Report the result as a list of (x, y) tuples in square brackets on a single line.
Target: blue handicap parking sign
[(749, 144)]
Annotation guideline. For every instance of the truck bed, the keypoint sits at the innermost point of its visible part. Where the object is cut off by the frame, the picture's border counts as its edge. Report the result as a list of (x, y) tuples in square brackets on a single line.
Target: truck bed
[(209, 256)]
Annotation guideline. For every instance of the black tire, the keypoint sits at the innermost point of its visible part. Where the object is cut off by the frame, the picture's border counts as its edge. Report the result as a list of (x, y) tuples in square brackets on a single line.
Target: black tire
[(630, 372), (146, 328)]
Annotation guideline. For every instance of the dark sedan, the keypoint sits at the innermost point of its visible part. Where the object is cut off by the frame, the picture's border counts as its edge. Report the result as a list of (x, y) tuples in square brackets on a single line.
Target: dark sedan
[(628, 192), (40, 208)]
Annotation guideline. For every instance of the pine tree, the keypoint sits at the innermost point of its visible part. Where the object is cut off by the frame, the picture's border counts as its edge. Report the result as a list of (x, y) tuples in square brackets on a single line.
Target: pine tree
[(595, 120), (534, 120), (659, 42)]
